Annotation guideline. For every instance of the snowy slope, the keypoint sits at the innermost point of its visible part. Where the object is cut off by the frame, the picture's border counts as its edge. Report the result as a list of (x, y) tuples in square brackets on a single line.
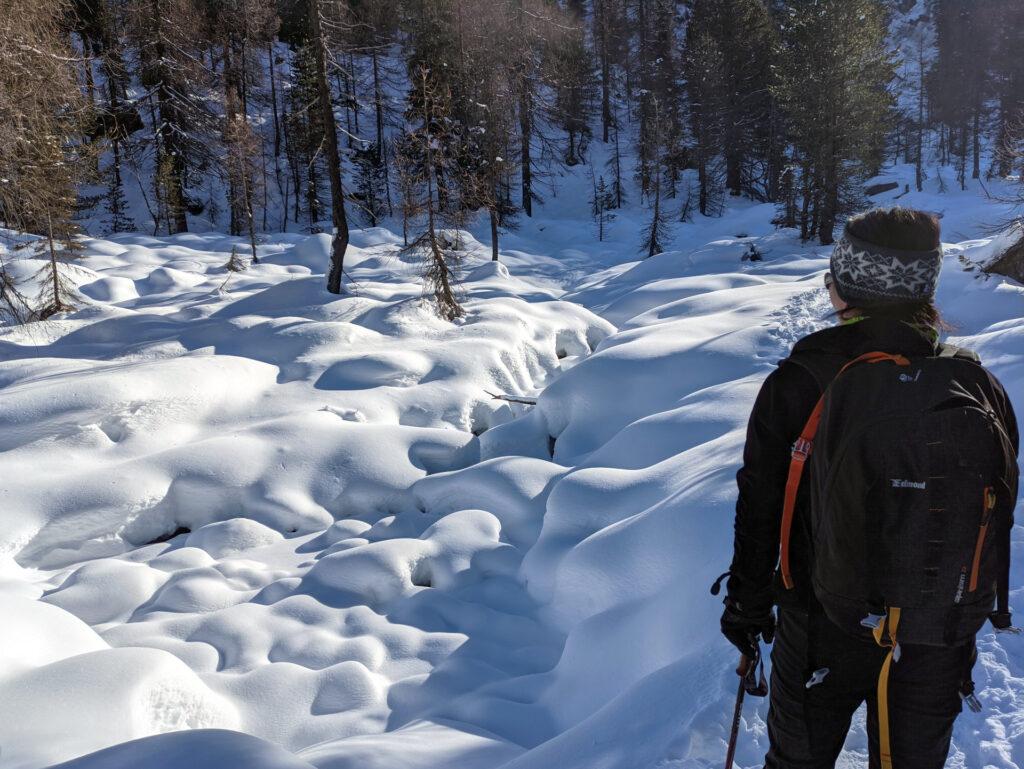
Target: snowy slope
[(368, 561)]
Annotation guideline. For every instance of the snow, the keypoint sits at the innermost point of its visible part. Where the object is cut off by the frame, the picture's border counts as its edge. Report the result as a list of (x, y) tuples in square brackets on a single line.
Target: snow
[(248, 523), (104, 696)]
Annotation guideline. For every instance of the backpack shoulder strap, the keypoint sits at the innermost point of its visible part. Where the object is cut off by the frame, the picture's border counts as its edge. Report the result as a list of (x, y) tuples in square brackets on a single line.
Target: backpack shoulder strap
[(952, 351)]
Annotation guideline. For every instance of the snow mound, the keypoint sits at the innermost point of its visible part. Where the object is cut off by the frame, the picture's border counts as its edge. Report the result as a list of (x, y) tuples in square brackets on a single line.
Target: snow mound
[(106, 697), (197, 749), (106, 590), (35, 634), (231, 537)]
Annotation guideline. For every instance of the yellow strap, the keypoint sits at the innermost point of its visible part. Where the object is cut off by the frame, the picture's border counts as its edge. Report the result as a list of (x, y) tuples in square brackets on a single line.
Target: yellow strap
[(892, 620), (883, 713)]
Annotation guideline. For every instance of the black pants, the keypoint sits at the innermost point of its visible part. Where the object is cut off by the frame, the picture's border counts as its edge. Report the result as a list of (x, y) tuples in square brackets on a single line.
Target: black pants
[(807, 725)]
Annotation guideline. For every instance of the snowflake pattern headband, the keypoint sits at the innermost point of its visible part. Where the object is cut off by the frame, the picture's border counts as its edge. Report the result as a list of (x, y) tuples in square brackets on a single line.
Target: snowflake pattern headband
[(864, 272)]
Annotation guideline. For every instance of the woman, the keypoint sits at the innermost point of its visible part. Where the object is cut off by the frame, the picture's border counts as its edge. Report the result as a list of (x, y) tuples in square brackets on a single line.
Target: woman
[(882, 284)]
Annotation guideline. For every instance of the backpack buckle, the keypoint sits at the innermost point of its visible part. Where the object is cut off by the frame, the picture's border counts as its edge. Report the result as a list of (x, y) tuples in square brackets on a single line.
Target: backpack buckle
[(802, 449)]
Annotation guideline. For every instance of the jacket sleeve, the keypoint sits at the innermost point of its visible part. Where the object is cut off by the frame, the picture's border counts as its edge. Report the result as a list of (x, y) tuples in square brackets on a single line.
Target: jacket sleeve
[(783, 405)]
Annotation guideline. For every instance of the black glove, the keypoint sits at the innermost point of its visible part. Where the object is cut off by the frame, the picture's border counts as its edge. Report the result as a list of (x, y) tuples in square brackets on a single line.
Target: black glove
[(743, 628)]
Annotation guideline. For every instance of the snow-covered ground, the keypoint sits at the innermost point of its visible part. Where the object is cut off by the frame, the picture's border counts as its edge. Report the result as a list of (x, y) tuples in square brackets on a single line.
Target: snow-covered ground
[(232, 502)]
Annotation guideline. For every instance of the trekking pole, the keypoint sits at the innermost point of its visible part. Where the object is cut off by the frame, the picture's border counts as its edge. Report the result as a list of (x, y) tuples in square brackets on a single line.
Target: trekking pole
[(741, 671), (752, 681)]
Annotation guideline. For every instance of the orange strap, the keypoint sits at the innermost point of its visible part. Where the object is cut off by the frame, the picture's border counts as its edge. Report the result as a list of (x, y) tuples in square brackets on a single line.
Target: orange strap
[(988, 505), (802, 450)]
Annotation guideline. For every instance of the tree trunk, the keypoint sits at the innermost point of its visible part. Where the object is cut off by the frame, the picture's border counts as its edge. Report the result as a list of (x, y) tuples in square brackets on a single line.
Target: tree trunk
[(919, 149), (606, 86), (339, 243), (350, 84), (654, 247), (174, 197), (805, 202), (618, 168), (962, 160), (494, 233), (702, 181), (273, 101), (976, 138), (526, 134)]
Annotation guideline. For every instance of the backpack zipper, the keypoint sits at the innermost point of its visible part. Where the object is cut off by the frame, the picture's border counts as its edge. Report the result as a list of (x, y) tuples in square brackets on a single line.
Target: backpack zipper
[(988, 505)]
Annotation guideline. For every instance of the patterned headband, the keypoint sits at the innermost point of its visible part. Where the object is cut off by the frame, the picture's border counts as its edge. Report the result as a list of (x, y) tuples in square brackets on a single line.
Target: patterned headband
[(867, 273)]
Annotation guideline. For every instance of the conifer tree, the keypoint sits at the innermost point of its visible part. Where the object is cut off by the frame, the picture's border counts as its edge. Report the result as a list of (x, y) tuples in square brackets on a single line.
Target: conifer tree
[(740, 38), (705, 83), (370, 182), (610, 47), (488, 154), (1008, 67), (602, 203), (960, 44), (614, 166), (568, 69), (834, 73), (427, 142), (302, 128), (242, 150), (656, 233), (167, 35)]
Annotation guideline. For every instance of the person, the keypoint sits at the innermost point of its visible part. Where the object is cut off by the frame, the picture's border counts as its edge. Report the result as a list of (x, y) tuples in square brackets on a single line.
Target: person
[(882, 281)]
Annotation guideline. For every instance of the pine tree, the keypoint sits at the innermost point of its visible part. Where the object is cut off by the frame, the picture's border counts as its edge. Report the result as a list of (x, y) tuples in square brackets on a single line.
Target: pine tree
[(1008, 73), (302, 127), (834, 74), (614, 166), (961, 45), (739, 35), (602, 203), (167, 34), (534, 28), (374, 29), (426, 144), (118, 217), (666, 74), (611, 49), (705, 83), (243, 29), (568, 70), (488, 152), (656, 234), (370, 183), (242, 170)]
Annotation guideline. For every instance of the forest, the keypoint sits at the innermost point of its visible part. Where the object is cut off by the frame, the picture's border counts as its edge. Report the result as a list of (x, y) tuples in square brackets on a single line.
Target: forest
[(255, 116)]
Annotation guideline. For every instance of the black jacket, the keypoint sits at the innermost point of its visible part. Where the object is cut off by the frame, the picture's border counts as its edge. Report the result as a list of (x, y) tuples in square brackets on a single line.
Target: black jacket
[(783, 405)]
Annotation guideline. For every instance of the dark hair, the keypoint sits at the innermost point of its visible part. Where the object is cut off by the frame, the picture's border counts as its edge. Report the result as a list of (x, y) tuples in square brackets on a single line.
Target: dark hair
[(906, 229)]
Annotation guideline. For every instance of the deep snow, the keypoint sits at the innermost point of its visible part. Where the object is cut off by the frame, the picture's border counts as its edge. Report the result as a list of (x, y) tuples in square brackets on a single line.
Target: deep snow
[(383, 566)]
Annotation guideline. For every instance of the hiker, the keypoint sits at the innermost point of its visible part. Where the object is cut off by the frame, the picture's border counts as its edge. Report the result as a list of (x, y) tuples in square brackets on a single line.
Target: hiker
[(896, 547)]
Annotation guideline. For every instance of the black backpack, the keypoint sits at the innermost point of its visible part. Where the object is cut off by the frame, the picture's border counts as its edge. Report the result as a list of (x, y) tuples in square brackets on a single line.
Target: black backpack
[(912, 488)]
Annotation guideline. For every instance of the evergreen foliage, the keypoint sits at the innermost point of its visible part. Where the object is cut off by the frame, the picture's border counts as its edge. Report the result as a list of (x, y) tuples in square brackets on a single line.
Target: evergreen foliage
[(833, 85), (253, 115)]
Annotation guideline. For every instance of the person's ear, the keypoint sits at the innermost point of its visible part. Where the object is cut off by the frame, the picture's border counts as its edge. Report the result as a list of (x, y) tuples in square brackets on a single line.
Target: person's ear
[(837, 301)]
